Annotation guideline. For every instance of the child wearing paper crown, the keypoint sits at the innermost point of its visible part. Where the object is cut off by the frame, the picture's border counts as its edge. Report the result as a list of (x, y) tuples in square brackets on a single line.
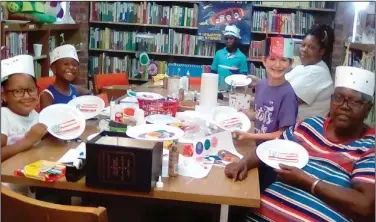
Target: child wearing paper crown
[(20, 129), (276, 105), (65, 66)]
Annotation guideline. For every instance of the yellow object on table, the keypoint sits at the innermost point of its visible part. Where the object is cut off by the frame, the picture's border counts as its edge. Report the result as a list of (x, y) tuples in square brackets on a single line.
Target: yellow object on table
[(43, 170), (158, 79)]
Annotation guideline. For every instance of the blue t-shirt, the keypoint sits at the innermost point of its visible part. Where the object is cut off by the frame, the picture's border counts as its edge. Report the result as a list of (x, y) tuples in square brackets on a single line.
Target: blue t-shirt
[(238, 60), (275, 107), (58, 97)]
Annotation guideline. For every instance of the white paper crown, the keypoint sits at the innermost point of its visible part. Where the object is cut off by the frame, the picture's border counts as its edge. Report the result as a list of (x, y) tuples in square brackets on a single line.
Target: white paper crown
[(232, 30), (64, 51), (17, 64), (354, 78)]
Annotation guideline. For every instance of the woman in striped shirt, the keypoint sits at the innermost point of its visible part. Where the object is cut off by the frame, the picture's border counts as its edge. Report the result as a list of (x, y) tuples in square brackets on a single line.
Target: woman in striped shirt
[(338, 182)]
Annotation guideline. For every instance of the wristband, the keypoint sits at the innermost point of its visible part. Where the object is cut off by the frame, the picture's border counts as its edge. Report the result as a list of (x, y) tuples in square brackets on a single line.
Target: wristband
[(314, 185)]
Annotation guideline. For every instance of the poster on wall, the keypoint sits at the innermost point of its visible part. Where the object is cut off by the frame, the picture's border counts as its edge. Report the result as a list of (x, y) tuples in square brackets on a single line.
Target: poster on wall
[(214, 16)]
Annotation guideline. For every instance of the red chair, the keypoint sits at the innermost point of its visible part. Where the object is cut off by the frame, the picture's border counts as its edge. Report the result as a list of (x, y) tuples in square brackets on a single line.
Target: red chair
[(103, 80), (105, 98), (44, 82), (194, 81)]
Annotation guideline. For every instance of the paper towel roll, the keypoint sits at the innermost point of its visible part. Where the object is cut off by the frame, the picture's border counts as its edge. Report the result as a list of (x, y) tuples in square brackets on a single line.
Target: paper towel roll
[(209, 90)]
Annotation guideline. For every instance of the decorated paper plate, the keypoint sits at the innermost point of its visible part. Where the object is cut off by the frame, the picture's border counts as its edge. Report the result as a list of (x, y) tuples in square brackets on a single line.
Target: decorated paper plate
[(230, 119), (155, 132), (238, 80), (274, 152), (63, 121), (161, 119), (148, 96), (228, 67), (90, 106)]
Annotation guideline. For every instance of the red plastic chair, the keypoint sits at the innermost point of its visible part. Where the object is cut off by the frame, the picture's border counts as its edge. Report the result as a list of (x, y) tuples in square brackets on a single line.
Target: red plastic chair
[(44, 82), (195, 81), (105, 98), (103, 80)]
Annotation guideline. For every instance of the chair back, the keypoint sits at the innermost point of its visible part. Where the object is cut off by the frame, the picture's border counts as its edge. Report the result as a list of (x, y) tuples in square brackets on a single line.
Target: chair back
[(103, 80), (44, 82), (16, 207), (105, 98)]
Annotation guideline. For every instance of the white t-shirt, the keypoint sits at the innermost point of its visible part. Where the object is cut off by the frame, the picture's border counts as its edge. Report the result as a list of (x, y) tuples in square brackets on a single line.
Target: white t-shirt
[(15, 126), (314, 85)]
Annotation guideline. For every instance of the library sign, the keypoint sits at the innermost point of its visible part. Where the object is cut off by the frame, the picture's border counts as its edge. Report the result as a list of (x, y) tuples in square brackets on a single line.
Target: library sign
[(214, 16)]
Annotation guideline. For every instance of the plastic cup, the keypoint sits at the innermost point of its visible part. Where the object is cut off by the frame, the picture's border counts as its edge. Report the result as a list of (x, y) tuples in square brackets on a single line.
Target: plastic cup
[(37, 49)]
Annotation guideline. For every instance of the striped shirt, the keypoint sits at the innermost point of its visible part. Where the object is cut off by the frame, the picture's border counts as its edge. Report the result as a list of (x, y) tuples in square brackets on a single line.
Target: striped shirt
[(336, 163)]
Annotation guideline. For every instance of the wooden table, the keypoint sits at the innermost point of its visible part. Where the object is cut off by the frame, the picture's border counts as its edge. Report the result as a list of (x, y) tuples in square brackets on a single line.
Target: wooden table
[(214, 189)]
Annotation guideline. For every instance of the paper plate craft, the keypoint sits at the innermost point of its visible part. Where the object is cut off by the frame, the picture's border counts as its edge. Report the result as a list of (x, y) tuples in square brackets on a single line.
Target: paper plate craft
[(63, 121), (230, 119), (238, 80), (90, 106), (155, 132), (148, 96), (278, 151), (213, 144), (161, 119)]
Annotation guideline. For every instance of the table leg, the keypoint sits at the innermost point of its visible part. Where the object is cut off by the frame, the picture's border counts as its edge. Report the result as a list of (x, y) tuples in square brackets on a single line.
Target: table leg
[(224, 213)]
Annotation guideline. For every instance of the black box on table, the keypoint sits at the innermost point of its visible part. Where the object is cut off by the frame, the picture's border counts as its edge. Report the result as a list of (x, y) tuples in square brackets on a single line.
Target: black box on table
[(126, 164)]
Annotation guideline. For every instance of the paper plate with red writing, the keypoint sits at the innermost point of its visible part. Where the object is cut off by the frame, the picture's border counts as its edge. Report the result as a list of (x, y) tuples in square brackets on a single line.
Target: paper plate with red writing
[(230, 119), (63, 121), (90, 106), (274, 152)]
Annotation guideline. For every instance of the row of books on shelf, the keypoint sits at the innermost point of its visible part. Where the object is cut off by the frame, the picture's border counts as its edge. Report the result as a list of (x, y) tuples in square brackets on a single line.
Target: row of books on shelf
[(16, 43), (173, 42), (295, 4), (355, 59), (257, 71), (271, 21), (107, 64), (37, 69), (143, 13)]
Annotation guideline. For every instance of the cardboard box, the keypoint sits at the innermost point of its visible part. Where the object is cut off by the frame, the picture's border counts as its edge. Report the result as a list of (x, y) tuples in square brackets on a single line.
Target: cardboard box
[(115, 161)]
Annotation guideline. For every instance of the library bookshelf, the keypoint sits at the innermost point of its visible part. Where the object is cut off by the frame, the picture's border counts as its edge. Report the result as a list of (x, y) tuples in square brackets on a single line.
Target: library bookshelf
[(113, 22), (18, 39)]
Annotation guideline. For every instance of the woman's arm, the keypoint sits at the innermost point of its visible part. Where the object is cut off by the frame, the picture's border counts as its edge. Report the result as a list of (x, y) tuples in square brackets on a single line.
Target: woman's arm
[(357, 202), (251, 160)]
